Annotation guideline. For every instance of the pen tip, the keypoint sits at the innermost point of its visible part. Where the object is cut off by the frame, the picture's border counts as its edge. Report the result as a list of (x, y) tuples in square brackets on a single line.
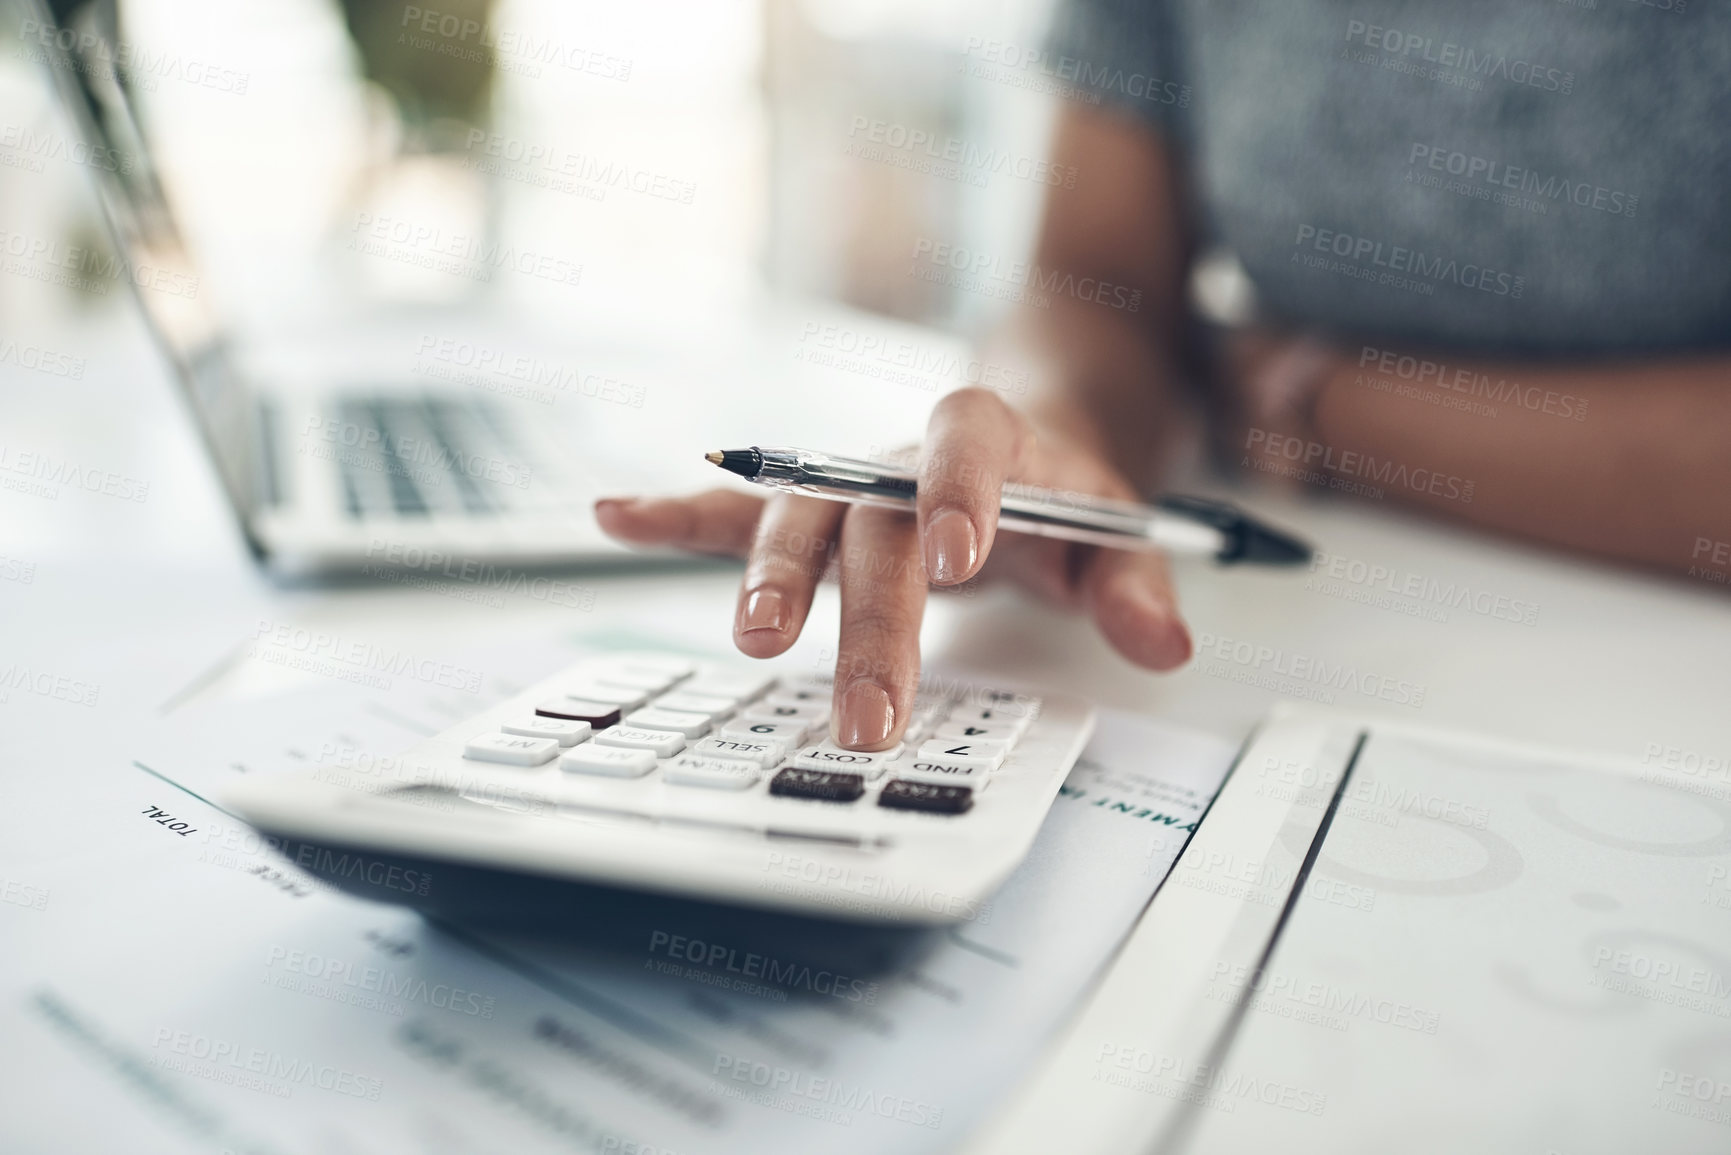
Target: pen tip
[(747, 463)]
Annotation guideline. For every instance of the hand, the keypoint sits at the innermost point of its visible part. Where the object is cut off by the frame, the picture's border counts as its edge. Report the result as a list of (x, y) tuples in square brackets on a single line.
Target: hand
[(884, 559)]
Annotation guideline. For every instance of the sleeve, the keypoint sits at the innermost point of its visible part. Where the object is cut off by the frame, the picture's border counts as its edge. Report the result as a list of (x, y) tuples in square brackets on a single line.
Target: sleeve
[(1120, 54)]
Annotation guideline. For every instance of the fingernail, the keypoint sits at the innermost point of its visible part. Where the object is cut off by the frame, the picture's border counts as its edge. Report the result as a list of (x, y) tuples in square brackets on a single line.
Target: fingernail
[(1172, 646), (765, 609), (866, 716), (1182, 648), (952, 546)]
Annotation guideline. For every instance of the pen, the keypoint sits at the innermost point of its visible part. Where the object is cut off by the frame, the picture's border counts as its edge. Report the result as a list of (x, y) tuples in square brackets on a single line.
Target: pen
[(1174, 523)]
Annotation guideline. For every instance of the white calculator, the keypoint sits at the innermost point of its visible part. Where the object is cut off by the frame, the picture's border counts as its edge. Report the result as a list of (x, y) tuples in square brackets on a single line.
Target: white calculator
[(651, 772)]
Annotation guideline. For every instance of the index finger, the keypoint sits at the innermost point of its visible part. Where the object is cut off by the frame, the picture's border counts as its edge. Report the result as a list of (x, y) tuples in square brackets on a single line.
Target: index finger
[(974, 442)]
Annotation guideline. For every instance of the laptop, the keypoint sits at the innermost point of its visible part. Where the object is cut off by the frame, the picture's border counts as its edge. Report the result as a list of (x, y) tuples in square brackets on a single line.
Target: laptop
[(328, 476)]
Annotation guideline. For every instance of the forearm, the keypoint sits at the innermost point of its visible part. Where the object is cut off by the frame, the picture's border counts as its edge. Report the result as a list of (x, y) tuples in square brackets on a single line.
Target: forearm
[(1102, 362), (1630, 461)]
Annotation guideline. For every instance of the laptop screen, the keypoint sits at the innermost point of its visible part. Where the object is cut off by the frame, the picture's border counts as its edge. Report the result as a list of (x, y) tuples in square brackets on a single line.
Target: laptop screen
[(79, 42)]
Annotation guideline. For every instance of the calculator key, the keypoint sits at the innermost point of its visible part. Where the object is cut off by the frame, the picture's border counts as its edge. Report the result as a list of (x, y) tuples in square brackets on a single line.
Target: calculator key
[(789, 731), (1007, 703), (988, 716), (943, 772), (599, 715), (799, 696), (823, 785), (738, 685), (822, 685), (734, 703), (922, 721), (989, 755), (810, 713), (625, 697), (649, 681), (982, 731), (901, 794), (829, 756), (663, 743), (658, 663), (565, 731), (765, 753), (927, 698), (716, 773), (608, 761), (713, 707), (656, 718), (511, 749)]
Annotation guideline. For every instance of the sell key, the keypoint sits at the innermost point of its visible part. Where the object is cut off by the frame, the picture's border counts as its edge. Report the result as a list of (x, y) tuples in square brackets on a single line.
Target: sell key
[(765, 754)]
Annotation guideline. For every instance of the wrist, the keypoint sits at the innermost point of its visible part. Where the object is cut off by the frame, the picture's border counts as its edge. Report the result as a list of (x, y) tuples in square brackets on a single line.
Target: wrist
[(1290, 387)]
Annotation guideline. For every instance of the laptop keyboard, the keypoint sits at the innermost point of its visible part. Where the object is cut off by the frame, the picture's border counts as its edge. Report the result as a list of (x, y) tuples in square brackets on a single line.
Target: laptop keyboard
[(420, 455)]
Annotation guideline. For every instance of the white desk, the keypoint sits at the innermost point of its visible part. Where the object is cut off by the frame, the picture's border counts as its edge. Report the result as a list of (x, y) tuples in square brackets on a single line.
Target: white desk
[(1614, 662)]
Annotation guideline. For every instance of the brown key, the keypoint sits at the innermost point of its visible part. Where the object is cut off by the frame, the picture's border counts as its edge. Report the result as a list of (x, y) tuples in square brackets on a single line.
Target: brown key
[(599, 715)]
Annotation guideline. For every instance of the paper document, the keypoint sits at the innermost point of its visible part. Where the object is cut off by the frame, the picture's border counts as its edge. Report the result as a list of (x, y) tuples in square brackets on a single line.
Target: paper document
[(187, 989)]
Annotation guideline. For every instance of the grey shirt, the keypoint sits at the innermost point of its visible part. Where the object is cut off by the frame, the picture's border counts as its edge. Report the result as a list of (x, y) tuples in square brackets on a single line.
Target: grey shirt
[(1520, 176)]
